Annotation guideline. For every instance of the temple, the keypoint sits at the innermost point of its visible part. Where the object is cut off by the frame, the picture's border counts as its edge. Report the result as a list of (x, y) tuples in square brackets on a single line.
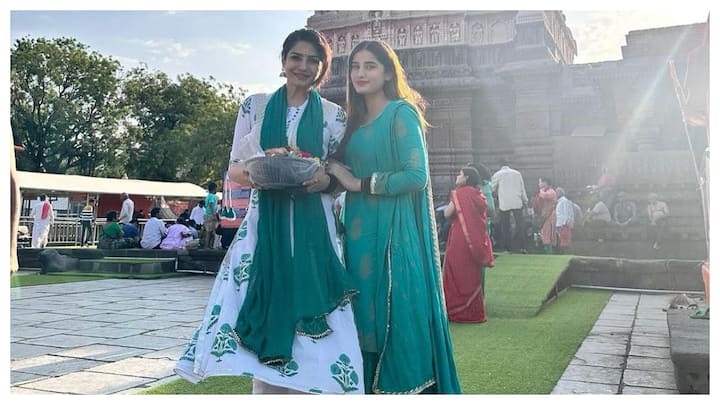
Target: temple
[(503, 84)]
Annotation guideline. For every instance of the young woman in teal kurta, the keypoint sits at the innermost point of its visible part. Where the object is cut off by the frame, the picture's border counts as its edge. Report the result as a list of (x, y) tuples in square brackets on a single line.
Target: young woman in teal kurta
[(391, 247)]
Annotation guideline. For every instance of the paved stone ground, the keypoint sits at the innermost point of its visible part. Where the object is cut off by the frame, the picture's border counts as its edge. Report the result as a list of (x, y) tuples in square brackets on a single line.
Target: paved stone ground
[(626, 352), (123, 336), (102, 337)]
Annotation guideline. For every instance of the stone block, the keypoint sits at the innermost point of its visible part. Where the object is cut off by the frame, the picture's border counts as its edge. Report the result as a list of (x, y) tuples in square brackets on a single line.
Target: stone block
[(591, 374), (649, 379), (690, 348)]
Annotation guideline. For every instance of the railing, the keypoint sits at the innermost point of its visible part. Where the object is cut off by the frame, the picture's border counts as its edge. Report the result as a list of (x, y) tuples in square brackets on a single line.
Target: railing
[(66, 230)]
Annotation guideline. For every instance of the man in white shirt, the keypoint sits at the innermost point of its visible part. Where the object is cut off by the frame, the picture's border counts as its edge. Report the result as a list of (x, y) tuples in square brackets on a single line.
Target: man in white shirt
[(565, 213), (128, 207), (509, 187), (154, 231), (197, 214), (43, 217)]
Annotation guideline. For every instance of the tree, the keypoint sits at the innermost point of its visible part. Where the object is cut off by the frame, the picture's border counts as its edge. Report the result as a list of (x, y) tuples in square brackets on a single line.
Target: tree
[(64, 107), (180, 131)]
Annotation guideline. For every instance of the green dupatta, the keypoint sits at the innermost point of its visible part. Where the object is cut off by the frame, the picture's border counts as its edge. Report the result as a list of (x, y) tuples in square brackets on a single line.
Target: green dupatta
[(290, 294)]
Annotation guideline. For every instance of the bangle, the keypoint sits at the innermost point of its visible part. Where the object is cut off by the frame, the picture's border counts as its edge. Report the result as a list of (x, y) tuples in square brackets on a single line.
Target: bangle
[(365, 185), (332, 185)]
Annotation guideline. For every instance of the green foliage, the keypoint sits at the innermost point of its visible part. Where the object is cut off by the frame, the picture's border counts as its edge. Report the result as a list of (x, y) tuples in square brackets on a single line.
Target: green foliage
[(64, 107), (178, 130), (76, 112)]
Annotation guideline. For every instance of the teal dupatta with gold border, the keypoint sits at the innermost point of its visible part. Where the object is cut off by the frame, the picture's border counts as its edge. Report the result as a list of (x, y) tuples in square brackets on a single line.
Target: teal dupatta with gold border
[(393, 256)]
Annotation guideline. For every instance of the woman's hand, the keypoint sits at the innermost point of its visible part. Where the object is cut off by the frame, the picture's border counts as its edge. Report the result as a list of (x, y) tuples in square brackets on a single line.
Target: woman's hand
[(239, 174), (276, 151), (319, 181), (342, 173)]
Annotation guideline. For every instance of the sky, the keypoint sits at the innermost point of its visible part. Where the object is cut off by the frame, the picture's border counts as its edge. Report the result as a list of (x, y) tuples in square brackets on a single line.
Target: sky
[(242, 47)]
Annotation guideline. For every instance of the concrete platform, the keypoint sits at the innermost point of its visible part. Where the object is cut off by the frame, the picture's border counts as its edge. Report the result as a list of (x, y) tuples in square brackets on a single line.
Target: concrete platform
[(626, 352), (690, 351)]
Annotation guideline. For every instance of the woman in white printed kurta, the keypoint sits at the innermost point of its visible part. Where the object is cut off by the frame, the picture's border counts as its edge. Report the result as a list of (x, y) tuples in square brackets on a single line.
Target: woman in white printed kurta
[(331, 364)]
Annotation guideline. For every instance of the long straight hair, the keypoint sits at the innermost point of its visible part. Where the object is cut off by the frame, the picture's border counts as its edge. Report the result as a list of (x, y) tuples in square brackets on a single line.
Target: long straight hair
[(395, 88)]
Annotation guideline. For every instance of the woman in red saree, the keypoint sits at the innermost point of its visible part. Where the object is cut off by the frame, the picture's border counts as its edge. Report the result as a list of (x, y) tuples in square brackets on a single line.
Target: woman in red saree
[(468, 250)]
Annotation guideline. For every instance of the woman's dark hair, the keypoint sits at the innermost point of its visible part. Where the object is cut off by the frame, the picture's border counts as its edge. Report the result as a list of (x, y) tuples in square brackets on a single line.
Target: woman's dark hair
[(155, 212), (395, 88), (318, 41), (473, 178), (546, 181), (111, 216), (482, 170)]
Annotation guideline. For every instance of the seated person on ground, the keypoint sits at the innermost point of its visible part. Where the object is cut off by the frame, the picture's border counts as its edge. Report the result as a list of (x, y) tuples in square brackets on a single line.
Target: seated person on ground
[(598, 215), (657, 212), (154, 231), (177, 236), (111, 234), (131, 231), (624, 210)]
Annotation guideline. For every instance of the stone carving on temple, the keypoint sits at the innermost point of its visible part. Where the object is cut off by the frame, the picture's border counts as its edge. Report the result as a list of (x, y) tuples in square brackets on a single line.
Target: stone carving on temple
[(454, 32), (476, 33), (402, 36), (376, 27), (418, 35), (435, 34), (354, 40), (341, 44)]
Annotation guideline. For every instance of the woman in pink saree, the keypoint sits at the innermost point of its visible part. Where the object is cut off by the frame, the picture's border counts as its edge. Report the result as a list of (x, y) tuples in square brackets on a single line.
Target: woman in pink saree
[(468, 251), (545, 203)]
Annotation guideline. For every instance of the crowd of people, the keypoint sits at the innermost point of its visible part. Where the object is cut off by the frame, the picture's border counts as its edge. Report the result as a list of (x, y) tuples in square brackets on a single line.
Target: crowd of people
[(546, 222)]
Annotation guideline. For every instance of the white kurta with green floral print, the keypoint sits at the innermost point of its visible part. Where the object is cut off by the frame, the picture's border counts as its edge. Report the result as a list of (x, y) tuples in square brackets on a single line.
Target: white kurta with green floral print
[(332, 364)]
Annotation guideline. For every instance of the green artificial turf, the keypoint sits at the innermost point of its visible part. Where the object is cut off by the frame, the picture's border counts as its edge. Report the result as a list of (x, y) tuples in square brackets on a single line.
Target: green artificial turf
[(519, 283), (525, 356), (523, 348), (24, 280)]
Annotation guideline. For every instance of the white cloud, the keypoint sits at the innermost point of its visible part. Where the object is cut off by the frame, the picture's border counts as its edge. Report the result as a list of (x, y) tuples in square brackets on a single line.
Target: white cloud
[(167, 48), (601, 36), (231, 47)]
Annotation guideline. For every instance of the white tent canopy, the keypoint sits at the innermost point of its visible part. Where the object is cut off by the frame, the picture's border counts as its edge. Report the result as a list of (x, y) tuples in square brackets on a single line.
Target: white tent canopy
[(49, 182)]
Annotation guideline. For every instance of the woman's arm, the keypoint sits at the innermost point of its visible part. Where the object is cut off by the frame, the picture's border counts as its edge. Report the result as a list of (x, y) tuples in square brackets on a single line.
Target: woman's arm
[(407, 134), (246, 141), (449, 210)]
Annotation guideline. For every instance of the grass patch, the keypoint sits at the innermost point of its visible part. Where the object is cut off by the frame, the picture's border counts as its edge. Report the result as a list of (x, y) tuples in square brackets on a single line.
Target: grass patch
[(211, 386), (525, 356), (518, 284), (108, 259), (25, 280)]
